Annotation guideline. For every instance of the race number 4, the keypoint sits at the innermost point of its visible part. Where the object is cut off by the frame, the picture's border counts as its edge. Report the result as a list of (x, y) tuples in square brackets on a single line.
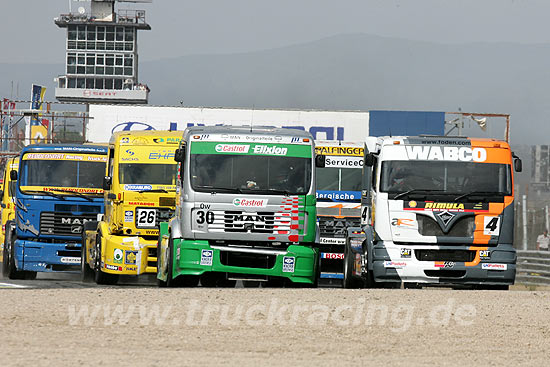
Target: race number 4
[(491, 226), (146, 217)]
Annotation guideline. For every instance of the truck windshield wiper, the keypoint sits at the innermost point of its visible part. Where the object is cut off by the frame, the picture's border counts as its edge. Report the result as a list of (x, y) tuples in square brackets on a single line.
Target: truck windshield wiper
[(221, 189), (414, 191), (154, 190), (80, 195), (49, 193), (477, 193)]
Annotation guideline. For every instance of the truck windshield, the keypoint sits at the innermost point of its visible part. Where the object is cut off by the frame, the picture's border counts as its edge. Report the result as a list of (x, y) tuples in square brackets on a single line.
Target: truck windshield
[(62, 173), (445, 177), (338, 179), (265, 174), (148, 174)]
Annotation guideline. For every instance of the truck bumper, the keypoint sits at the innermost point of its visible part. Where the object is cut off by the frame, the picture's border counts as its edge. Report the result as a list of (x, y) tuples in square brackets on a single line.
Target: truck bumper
[(404, 263), (129, 255), (195, 257), (47, 257)]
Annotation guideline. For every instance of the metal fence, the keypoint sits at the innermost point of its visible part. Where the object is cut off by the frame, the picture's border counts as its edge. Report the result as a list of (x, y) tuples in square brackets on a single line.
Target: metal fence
[(533, 268)]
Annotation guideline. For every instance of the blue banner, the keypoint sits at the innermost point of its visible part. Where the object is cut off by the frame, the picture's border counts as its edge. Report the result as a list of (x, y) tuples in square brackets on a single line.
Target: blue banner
[(324, 195)]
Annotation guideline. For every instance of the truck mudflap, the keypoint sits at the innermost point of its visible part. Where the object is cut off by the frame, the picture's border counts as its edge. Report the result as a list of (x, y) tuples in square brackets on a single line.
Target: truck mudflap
[(297, 263), (128, 255), (453, 265), (47, 257)]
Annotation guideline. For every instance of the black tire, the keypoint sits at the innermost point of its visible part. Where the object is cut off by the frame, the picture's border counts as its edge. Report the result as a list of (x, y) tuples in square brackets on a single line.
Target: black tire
[(181, 280), (86, 273), (101, 277), (350, 281), (11, 270), (160, 283), (6, 255)]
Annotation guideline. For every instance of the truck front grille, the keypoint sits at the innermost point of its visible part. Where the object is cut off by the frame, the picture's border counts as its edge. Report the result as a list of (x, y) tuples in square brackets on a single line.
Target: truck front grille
[(463, 227), (230, 221), (336, 227), (445, 255), (63, 224)]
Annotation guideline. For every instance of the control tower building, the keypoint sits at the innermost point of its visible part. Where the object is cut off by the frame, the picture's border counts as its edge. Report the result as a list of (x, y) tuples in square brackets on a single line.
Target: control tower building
[(101, 63)]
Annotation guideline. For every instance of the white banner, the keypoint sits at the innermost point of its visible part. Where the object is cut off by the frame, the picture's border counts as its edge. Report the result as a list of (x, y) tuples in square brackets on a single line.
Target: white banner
[(323, 125)]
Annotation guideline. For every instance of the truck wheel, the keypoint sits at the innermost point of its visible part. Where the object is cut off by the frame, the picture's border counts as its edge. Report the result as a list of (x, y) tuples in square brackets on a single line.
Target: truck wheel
[(11, 269), (180, 280), (160, 283), (101, 277), (350, 282), (6, 257), (86, 274)]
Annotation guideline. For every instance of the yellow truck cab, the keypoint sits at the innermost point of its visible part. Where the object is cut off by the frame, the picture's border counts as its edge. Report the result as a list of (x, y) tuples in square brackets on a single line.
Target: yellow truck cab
[(140, 191), (7, 194)]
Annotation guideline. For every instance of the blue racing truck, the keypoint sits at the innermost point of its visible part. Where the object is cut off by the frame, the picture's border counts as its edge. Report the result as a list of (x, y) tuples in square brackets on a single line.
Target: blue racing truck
[(338, 203), (59, 188)]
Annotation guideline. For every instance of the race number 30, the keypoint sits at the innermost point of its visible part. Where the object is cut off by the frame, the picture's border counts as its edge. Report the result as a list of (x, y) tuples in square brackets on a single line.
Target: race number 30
[(491, 226), (146, 217)]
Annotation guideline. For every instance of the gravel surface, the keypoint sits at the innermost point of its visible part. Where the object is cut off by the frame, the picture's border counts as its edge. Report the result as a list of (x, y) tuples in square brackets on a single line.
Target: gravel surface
[(145, 326)]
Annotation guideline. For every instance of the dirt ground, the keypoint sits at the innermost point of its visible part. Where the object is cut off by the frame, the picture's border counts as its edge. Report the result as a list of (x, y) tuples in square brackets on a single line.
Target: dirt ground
[(145, 326)]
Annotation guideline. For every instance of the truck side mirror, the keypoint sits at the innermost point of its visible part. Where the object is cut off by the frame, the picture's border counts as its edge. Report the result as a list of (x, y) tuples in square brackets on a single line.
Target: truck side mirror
[(107, 181), (13, 175), (320, 161), (179, 156), (369, 160), (517, 164)]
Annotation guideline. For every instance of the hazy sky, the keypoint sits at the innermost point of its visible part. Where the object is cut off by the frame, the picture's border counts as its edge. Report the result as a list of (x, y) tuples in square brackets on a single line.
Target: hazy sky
[(184, 27)]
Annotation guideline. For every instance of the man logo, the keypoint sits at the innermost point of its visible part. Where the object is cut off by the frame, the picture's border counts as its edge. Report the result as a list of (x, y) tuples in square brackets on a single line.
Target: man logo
[(76, 229), (131, 126)]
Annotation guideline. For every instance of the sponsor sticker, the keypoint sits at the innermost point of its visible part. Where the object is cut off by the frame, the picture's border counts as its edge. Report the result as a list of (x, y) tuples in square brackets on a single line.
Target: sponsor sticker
[(434, 153), (332, 256), (113, 267), (494, 266), (343, 162), (484, 254), (129, 216), (206, 257), (445, 206), (232, 148), (332, 241), (406, 253), (444, 264), (350, 151), (70, 260), (402, 222), (248, 203), (395, 264), (130, 257), (138, 187), (270, 150), (118, 256), (288, 264)]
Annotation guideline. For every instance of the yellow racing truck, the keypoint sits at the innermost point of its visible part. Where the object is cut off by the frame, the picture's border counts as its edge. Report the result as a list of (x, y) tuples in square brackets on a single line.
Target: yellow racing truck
[(140, 190), (8, 206)]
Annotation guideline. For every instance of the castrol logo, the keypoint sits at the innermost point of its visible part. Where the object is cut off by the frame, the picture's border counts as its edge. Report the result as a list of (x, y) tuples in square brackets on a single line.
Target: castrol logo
[(232, 148)]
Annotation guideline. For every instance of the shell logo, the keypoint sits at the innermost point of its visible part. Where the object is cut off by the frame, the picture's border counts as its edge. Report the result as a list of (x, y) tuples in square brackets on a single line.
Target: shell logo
[(412, 204)]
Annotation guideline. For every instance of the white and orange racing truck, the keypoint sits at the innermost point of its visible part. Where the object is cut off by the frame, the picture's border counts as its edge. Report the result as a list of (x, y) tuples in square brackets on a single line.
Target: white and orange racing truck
[(434, 210)]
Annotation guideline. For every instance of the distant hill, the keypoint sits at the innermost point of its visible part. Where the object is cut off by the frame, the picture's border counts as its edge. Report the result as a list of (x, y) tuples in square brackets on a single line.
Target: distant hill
[(353, 72)]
